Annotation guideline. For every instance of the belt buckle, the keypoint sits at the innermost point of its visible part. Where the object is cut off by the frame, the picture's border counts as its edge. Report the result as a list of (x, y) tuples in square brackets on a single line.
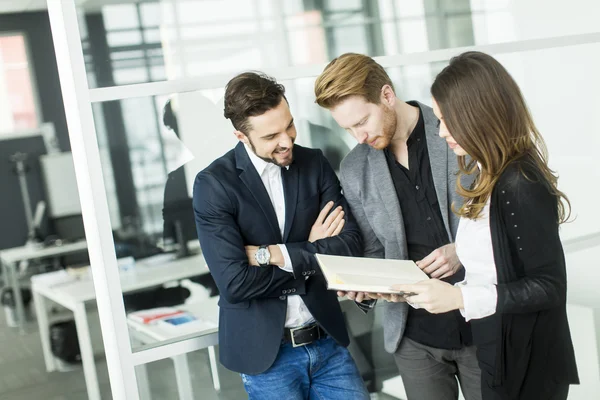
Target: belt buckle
[(292, 330)]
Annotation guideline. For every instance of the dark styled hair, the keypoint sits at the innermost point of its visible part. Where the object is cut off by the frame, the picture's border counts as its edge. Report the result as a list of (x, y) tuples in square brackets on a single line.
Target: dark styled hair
[(251, 94), (486, 114)]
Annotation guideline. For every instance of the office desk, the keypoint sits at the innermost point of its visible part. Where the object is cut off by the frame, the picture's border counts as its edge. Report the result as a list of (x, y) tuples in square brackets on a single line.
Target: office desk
[(75, 293), (11, 258), (206, 310)]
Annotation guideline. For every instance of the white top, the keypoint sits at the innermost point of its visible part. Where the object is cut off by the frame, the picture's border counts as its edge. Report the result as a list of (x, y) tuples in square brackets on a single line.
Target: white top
[(474, 250), (270, 174)]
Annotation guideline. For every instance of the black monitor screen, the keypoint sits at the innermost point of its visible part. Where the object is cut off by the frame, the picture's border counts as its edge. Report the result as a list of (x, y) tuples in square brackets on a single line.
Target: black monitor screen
[(179, 212)]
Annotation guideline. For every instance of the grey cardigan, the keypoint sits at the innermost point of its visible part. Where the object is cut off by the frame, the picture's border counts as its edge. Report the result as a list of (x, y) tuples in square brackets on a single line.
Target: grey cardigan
[(370, 192)]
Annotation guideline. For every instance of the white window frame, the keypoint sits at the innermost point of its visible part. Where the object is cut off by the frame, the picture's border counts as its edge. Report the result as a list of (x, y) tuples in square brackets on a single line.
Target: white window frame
[(78, 99)]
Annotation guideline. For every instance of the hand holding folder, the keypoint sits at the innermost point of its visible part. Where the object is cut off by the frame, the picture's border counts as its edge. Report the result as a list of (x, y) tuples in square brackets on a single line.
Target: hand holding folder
[(370, 275)]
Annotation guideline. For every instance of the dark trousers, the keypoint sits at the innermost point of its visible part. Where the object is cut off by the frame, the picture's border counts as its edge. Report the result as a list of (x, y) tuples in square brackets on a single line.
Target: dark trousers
[(429, 373)]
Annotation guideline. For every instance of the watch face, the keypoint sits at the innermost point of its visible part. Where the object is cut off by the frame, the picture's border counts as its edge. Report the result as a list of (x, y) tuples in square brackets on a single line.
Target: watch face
[(262, 256)]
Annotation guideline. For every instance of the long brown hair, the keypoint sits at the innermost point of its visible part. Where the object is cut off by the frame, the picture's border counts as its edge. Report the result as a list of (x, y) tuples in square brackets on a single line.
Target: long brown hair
[(487, 116)]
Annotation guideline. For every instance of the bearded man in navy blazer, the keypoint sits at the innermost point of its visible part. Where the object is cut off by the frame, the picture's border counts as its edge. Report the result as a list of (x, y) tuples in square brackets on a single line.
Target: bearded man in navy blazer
[(262, 211)]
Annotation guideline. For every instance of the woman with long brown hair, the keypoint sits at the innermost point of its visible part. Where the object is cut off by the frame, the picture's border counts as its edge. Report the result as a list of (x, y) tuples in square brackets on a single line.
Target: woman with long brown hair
[(515, 286)]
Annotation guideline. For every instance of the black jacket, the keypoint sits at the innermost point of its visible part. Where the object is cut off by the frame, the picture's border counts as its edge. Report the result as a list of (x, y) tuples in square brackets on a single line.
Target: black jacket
[(232, 209), (532, 341)]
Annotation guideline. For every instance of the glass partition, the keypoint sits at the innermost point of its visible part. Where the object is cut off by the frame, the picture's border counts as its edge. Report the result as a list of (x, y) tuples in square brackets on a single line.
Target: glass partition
[(152, 147), (162, 142), (126, 43)]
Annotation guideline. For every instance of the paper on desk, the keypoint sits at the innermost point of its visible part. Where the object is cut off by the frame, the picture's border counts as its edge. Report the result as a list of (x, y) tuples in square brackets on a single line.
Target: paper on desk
[(373, 275), (54, 278), (153, 315)]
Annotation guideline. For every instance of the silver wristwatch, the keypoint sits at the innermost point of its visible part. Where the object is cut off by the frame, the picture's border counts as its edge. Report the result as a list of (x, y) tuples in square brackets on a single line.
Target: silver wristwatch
[(263, 256)]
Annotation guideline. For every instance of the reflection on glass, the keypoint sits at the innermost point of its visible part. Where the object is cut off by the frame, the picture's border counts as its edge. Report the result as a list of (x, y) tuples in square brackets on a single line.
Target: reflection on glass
[(202, 38), (18, 111), (153, 147), (120, 16)]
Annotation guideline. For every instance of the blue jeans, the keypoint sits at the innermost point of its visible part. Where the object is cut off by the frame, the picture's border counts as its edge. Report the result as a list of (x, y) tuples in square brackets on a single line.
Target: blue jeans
[(322, 370)]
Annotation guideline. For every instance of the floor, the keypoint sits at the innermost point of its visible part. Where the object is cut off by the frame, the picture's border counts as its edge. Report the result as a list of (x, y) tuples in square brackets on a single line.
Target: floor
[(23, 375)]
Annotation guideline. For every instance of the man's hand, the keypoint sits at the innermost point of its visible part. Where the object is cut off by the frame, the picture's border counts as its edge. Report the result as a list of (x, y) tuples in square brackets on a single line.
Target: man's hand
[(433, 295), (360, 296), (356, 296), (327, 227), (391, 297), (441, 263), (276, 256)]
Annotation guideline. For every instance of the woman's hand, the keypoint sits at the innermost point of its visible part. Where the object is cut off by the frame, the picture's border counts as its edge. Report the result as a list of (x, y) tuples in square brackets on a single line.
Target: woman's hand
[(433, 295)]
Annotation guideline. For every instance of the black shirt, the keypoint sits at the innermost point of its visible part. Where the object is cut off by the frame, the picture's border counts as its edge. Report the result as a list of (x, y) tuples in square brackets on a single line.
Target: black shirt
[(425, 232)]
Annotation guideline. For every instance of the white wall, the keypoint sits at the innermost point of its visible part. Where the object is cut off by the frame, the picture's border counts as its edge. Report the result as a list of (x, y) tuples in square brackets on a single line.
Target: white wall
[(560, 86)]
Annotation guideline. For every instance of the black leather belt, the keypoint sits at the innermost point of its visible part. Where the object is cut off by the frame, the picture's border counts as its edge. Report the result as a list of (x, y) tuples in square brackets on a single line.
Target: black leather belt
[(303, 335)]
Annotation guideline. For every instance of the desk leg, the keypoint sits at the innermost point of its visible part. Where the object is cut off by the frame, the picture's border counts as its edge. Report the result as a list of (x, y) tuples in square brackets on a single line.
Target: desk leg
[(141, 372), (213, 368), (14, 283), (87, 352), (5, 277), (183, 377), (41, 312)]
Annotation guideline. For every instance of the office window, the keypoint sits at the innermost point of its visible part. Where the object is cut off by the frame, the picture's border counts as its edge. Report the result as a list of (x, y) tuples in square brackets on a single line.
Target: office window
[(128, 43), (17, 101)]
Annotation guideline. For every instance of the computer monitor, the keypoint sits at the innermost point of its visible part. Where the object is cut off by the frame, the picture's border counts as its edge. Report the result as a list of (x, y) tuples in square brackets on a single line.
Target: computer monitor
[(69, 228), (179, 225)]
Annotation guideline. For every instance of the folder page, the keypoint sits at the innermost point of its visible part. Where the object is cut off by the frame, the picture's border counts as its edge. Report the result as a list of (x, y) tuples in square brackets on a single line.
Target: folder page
[(375, 275)]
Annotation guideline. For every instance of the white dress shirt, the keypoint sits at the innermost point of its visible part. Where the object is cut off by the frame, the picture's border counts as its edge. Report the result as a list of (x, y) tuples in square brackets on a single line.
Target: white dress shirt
[(270, 174), (475, 252)]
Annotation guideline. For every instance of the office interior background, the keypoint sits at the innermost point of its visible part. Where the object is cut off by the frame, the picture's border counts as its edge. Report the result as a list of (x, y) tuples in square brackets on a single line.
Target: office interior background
[(146, 96)]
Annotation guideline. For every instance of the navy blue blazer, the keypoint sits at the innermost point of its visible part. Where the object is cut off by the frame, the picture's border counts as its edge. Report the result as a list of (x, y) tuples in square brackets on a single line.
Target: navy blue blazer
[(233, 209)]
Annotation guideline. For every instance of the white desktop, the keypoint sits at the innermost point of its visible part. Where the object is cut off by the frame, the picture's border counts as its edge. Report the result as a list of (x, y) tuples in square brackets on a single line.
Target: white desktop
[(74, 292)]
